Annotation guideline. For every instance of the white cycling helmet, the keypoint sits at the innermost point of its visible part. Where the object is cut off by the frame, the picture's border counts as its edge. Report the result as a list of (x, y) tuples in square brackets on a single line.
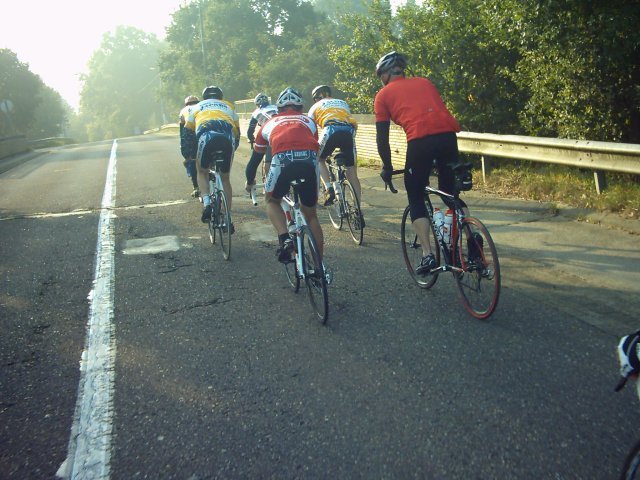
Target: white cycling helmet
[(289, 97), (261, 100), (390, 60)]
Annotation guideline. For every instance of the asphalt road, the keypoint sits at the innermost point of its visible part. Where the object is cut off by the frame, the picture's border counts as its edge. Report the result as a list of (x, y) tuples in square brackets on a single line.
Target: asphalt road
[(221, 371)]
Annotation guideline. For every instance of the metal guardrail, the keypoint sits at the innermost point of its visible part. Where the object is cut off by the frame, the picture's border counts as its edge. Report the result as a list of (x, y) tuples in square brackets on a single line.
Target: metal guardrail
[(597, 156)]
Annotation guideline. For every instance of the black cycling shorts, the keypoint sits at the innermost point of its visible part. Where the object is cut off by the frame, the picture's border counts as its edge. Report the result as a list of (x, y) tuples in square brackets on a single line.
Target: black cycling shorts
[(209, 144), (284, 170), (342, 137), (421, 153)]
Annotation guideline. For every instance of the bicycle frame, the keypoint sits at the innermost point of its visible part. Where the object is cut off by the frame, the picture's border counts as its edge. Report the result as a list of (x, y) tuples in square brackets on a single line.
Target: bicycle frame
[(215, 183), (293, 206), (449, 252)]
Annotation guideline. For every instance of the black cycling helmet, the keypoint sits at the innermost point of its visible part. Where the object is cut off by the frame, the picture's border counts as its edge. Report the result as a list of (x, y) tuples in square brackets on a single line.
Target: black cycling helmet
[(191, 100), (289, 97), (212, 92), (321, 91), (261, 100), (390, 60)]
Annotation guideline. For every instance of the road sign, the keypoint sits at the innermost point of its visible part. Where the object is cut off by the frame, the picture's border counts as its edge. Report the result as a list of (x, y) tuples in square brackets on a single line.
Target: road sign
[(6, 106)]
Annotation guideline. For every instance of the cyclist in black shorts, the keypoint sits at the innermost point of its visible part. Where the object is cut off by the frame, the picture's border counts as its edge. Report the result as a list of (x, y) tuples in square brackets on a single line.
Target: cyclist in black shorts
[(293, 139), (213, 125), (415, 104), (338, 130)]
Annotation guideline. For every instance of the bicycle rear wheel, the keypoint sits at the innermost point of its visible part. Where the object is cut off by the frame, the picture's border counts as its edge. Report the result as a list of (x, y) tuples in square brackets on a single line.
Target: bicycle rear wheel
[(336, 208), (412, 251), (632, 464), (353, 213), (224, 225), (479, 282), (314, 275), (213, 220)]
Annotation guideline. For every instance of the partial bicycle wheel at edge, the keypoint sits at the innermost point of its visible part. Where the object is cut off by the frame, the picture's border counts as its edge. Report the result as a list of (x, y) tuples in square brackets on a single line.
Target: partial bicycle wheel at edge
[(224, 226), (314, 275), (335, 210), (479, 282), (632, 464), (291, 269), (412, 251), (354, 215)]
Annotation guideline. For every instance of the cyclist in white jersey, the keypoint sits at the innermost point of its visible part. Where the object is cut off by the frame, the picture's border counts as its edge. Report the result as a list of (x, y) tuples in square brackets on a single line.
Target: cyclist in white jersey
[(263, 112)]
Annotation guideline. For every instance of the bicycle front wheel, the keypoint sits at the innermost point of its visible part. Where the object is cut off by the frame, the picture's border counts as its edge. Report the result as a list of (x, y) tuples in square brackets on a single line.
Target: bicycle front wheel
[(353, 213), (291, 269), (479, 280), (224, 225), (336, 208), (412, 251), (632, 464), (314, 275)]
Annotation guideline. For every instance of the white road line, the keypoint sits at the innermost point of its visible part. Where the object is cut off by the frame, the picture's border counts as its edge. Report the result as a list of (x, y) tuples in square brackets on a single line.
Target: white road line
[(89, 452), (79, 213)]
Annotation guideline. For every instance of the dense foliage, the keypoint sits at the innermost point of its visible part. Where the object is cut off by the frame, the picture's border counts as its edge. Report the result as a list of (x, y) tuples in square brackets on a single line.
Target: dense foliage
[(556, 68), (119, 93), (532, 67), (37, 110)]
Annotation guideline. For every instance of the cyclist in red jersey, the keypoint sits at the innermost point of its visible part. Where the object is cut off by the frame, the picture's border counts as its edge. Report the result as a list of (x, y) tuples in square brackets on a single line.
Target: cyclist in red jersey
[(415, 104), (293, 138)]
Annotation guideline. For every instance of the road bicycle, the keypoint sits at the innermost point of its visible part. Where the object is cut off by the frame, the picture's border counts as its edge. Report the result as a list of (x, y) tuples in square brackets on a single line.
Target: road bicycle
[(346, 205), (220, 227), (306, 265), (631, 467), (470, 254)]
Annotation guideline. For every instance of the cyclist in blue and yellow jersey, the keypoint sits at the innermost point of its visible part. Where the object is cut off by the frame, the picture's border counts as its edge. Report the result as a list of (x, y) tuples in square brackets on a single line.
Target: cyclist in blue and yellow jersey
[(263, 112), (415, 104), (213, 125), (189, 161), (293, 138), (339, 127)]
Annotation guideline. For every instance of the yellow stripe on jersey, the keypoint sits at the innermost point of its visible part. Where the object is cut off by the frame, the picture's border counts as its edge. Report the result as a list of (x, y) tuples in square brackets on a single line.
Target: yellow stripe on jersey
[(210, 110), (331, 109)]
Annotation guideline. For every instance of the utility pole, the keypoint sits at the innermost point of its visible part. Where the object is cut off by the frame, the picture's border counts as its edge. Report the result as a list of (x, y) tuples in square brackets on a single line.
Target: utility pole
[(204, 62)]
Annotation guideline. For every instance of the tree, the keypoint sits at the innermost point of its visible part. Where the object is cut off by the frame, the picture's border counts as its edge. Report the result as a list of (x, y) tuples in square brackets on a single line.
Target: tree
[(248, 45), (578, 65), (448, 41), (119, 93), (21, 87), (336, 9), (364, 40), (51, 116)]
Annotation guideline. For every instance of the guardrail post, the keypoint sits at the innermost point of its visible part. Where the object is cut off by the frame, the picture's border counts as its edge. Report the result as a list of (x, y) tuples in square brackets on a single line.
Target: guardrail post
[(485, 169), (601, 181)]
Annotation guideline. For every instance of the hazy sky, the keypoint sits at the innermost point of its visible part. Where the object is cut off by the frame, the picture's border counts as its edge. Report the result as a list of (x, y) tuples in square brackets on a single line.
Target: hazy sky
[(57, 37)]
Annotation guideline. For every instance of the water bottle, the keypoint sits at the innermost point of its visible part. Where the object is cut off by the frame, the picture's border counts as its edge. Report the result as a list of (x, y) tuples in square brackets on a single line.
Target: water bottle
[(447, 228), (438, 220)]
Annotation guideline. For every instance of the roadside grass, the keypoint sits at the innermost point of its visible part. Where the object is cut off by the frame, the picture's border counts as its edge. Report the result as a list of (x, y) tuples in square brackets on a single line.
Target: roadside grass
[(553, 183)]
